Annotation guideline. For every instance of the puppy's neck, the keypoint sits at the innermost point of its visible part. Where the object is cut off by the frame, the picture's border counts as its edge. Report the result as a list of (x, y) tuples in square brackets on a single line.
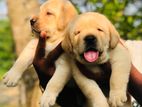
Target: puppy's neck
[(57, 37)]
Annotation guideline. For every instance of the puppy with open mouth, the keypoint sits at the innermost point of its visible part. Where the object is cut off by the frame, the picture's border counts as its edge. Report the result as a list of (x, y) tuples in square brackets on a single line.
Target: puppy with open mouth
[(92, 40)]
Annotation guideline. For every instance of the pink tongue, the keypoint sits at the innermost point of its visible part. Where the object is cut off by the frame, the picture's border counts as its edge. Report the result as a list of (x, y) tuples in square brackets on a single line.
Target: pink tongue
[(91, 56)]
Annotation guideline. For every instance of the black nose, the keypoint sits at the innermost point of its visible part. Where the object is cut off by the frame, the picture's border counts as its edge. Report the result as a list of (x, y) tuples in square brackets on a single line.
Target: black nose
[(32, 21), (90, 39)]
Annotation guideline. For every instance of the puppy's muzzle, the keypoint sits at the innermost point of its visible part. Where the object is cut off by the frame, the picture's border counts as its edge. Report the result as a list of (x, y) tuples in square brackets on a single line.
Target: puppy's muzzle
[(90, 41), (33, 21)]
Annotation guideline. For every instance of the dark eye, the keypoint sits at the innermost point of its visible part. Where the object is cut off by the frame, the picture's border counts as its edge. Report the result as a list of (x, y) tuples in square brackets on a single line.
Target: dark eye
[(49, 13), (100, 29), (77, 32)]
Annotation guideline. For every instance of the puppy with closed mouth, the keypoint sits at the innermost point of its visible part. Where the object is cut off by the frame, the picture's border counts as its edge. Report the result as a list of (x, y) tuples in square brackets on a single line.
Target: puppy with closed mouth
[(91, 39), (52, 20)]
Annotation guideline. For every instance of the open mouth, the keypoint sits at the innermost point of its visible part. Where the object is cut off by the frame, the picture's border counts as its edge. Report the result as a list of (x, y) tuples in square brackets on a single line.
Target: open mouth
[(91, 55)]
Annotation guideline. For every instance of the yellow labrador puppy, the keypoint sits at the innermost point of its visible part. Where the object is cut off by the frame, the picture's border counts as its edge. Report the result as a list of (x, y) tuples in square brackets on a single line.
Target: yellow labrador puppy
[(53, 18), (91, 39)]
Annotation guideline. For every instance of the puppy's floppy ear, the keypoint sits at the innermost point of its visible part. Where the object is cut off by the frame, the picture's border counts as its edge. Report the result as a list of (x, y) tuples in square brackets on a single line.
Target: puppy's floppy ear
[(114, 36), (66, 43), (66, 15)]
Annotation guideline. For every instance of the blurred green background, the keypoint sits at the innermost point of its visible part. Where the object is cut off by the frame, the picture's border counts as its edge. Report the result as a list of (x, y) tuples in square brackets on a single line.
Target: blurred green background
[(7, 54)]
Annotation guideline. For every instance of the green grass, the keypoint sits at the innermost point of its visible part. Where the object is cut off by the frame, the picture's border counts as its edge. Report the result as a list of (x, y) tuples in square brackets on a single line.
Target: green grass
[(6, 47)]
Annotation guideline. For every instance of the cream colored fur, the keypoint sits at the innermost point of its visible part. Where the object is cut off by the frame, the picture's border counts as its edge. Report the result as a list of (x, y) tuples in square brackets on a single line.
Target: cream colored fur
[(108, 42), (53, 18)]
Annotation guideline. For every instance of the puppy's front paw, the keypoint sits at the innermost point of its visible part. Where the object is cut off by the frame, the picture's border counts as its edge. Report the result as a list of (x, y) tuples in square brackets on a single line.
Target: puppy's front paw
[(11, 78), (48, 99), (117, 98)]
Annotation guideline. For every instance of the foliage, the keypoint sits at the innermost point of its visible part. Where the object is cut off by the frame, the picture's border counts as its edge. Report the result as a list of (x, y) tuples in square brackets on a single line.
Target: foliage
[(129, 26), (6, 47)]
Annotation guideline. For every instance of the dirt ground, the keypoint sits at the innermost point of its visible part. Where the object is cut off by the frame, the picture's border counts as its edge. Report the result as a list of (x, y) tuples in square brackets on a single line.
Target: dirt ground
[(9, 97)]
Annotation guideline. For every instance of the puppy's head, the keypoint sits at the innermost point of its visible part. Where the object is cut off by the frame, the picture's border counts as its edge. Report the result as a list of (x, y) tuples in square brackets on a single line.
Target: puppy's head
[(53, 17), (89, 37)]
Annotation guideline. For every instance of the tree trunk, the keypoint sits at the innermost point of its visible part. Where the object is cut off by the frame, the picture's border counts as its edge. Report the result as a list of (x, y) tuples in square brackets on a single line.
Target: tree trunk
[(19, 12)]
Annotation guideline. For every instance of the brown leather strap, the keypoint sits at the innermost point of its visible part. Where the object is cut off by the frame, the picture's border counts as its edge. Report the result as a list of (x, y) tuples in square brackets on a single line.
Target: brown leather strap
[(54, 54), (45, 67), (106, 71)]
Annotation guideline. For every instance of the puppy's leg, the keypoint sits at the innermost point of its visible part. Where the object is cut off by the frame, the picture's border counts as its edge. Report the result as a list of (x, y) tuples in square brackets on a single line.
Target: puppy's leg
[(121, 65), (25, 59), (56, 83), (128, 103), (90, 89)]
